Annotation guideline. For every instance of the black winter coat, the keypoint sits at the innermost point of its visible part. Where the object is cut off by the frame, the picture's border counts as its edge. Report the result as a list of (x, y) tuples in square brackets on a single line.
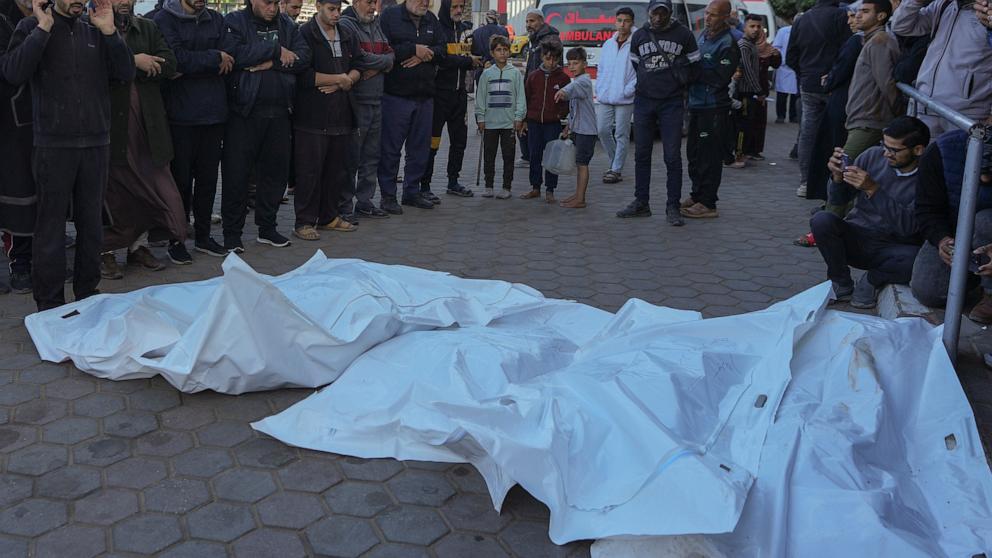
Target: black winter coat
[(817, 36), (17, 193), (316, 112), (404, 36), (451, 71)]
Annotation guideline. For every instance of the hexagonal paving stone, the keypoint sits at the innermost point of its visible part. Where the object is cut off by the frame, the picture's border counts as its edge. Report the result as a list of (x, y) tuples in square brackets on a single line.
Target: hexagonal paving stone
[(176, 495), (389, 550), (248, 407), (290, 510), (4, 415), (468, 479), (425, 488), (37, 459), (356, 468), (123, 386), (202, 462), (69, 483), (226, 434), (526, 538), (101, 451), (342, 536), (32, 517), (520, 503), (106, 507), (153, 400), (243, 485), (15, 394), (13, 489), (474, 512), (458, 545), (146, 534), (40, 411), (19, 361), (266, 543), (70, 430), (187, 418), (196, 549), (310, 475), (358, 498), (129, 424), (77, 541), (42, 374), (220, 522), (408, 524), (13, 438), (135, 472), (98, 405), (164, 443), (265, 453), (71, 388), (13, 547)]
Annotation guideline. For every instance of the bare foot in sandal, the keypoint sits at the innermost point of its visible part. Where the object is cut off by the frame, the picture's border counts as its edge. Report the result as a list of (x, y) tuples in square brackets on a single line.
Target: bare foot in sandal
[(569, 199), (573, 204)]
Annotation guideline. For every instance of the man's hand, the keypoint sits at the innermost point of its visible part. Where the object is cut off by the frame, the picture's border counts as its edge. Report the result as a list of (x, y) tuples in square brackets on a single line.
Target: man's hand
[(345, 82), (369, 74), (102, 17), (482, 125), (560, 96), (476, 61), (518, 126), (328, 89), (151, 65), (946, 249), (565, 132), (44, 15), (226, 63), (761, 99), (823, 80), (985, 270), (523, 129), (860, 179), (983, 11), (287, 57), (836, 164), (424, 54), (267, 65), (411, 62)]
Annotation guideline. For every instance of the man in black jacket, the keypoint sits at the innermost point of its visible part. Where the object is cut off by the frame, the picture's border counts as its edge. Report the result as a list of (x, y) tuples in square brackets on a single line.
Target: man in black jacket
[(17, 193), (196, 103), (268, 52), (323, 122), (816, 39), (70, 65), (451, 100), (407, 106)]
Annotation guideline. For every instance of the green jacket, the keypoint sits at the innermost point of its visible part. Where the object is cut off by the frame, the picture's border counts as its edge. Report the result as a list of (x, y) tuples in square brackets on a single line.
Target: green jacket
[(143, 37)]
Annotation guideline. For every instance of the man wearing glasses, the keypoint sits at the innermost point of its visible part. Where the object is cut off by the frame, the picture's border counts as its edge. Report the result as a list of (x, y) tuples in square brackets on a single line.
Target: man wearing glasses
[(880, 234)]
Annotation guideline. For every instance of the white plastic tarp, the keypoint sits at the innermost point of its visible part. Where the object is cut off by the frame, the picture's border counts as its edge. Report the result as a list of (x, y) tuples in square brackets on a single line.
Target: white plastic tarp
[(793, 431)]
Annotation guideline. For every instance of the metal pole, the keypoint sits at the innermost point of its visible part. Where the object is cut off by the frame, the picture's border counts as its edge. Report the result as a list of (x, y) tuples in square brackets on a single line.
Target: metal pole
[(936, 107), (962, 243)]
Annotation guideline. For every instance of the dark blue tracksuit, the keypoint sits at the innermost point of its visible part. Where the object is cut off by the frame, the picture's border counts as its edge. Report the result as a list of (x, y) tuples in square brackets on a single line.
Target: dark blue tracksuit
[(408, 102)]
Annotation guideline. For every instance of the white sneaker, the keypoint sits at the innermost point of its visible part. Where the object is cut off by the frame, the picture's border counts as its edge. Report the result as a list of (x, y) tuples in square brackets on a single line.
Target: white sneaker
[(523, 164), (503, 194), (487, 193), (801, 190)]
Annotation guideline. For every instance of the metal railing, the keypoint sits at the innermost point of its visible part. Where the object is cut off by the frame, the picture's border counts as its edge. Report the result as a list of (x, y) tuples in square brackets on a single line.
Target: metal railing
[(966, 212)]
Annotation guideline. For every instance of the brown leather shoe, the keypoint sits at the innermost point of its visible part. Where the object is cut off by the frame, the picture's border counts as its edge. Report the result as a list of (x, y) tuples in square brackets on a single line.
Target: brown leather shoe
[(530, 195), (699, 211), (687, 203), (143, 257), (982, 312), (109, 268)]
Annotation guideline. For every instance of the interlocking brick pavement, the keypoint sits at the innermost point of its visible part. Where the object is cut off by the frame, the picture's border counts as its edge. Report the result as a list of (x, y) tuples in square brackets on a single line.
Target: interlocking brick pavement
[(89, 466)]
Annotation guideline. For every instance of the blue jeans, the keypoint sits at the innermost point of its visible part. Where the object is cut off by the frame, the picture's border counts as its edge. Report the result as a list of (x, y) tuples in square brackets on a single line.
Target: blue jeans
[(814, 107), (613, 123), (651, 115), (538, 137), (409, 122)]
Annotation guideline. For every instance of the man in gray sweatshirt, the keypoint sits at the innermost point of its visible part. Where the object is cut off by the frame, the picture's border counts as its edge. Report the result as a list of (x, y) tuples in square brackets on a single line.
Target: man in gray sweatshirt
[(375, 60)]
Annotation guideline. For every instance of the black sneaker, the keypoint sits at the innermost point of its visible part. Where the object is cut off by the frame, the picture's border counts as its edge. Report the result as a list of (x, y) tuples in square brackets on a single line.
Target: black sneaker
[(389, 205), (459, 190), (234, 245), (372, 212), (349, 217), (418, 200), (178, 254), (635, 209), (20, 282), (674, 216), (842, 292), (4, 289), (210, 247), (272, 238), (794, 154), (429, 196)]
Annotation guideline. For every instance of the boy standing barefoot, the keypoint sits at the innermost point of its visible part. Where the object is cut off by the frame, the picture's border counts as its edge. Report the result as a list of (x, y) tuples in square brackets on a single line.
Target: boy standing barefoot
[(581, 124), (500, 107)]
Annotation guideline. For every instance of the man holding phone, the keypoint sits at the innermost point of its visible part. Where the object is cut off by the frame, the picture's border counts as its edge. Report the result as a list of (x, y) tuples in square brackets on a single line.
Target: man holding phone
[(68, 63), (880, 234)]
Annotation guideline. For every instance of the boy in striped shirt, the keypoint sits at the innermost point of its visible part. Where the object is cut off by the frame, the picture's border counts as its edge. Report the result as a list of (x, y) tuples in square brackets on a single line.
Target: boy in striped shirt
[(500, 107)]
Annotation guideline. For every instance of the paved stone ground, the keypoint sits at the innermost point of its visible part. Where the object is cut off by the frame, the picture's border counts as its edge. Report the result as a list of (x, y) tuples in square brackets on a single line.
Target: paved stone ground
[(91, 467)]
